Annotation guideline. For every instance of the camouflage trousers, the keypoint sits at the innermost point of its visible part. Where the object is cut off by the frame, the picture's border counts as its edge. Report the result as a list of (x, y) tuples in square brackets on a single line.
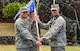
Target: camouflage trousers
[(23, 49), (33, 48), (57, 48)]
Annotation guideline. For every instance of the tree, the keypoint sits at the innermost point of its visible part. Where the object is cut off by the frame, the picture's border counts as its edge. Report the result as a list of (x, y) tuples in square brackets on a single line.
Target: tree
[(11, 9)]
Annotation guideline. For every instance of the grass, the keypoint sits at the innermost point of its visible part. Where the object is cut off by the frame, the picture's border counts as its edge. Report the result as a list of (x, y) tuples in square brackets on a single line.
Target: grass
[(44, 48), (72, 48), (7, 29)]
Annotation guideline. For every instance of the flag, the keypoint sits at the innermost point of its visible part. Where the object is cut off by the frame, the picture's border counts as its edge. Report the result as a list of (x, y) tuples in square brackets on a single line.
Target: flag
[(30, 5), (33, 7)]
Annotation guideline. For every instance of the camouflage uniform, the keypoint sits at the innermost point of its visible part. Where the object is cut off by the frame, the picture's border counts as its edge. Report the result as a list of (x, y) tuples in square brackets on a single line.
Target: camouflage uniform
[(34, 34), (23, 39), (56, 33)]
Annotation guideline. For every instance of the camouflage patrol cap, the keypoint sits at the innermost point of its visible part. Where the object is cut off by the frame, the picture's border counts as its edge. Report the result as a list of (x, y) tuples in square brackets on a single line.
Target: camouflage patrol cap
[(55, 7), (24, 9)]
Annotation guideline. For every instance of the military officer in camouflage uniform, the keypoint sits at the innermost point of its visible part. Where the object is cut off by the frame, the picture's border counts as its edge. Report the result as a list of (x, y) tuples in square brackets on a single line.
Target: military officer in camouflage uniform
[(57, 31), (24, 39), (33, 30)]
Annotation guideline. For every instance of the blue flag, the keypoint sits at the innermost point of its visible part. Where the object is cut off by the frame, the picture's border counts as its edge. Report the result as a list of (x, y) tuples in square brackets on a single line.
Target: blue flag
[(30, 5)]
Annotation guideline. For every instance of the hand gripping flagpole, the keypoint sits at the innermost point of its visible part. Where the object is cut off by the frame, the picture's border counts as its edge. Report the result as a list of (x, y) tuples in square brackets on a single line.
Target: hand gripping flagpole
[(37, 24)]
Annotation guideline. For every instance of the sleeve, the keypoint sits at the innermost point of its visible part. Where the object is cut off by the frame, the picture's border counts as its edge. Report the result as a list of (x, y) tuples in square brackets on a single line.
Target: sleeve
[(25, 32), (44, 25), (55, 28)]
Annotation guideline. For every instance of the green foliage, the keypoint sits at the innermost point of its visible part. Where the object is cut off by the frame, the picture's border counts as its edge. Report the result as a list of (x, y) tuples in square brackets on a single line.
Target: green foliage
[(12, 8)]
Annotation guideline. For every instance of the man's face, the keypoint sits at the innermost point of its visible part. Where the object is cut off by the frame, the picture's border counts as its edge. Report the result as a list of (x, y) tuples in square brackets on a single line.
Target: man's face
[(32, 14), (55, 12), (24, 14)]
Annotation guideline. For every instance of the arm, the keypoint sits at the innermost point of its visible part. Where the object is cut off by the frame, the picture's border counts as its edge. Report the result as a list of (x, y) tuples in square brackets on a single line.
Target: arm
[(24, 31), (44, 25), (54, 29)]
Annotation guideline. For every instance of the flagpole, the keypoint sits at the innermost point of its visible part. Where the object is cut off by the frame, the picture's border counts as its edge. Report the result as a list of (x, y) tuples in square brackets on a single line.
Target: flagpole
[(53, 2), (37, 24)]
